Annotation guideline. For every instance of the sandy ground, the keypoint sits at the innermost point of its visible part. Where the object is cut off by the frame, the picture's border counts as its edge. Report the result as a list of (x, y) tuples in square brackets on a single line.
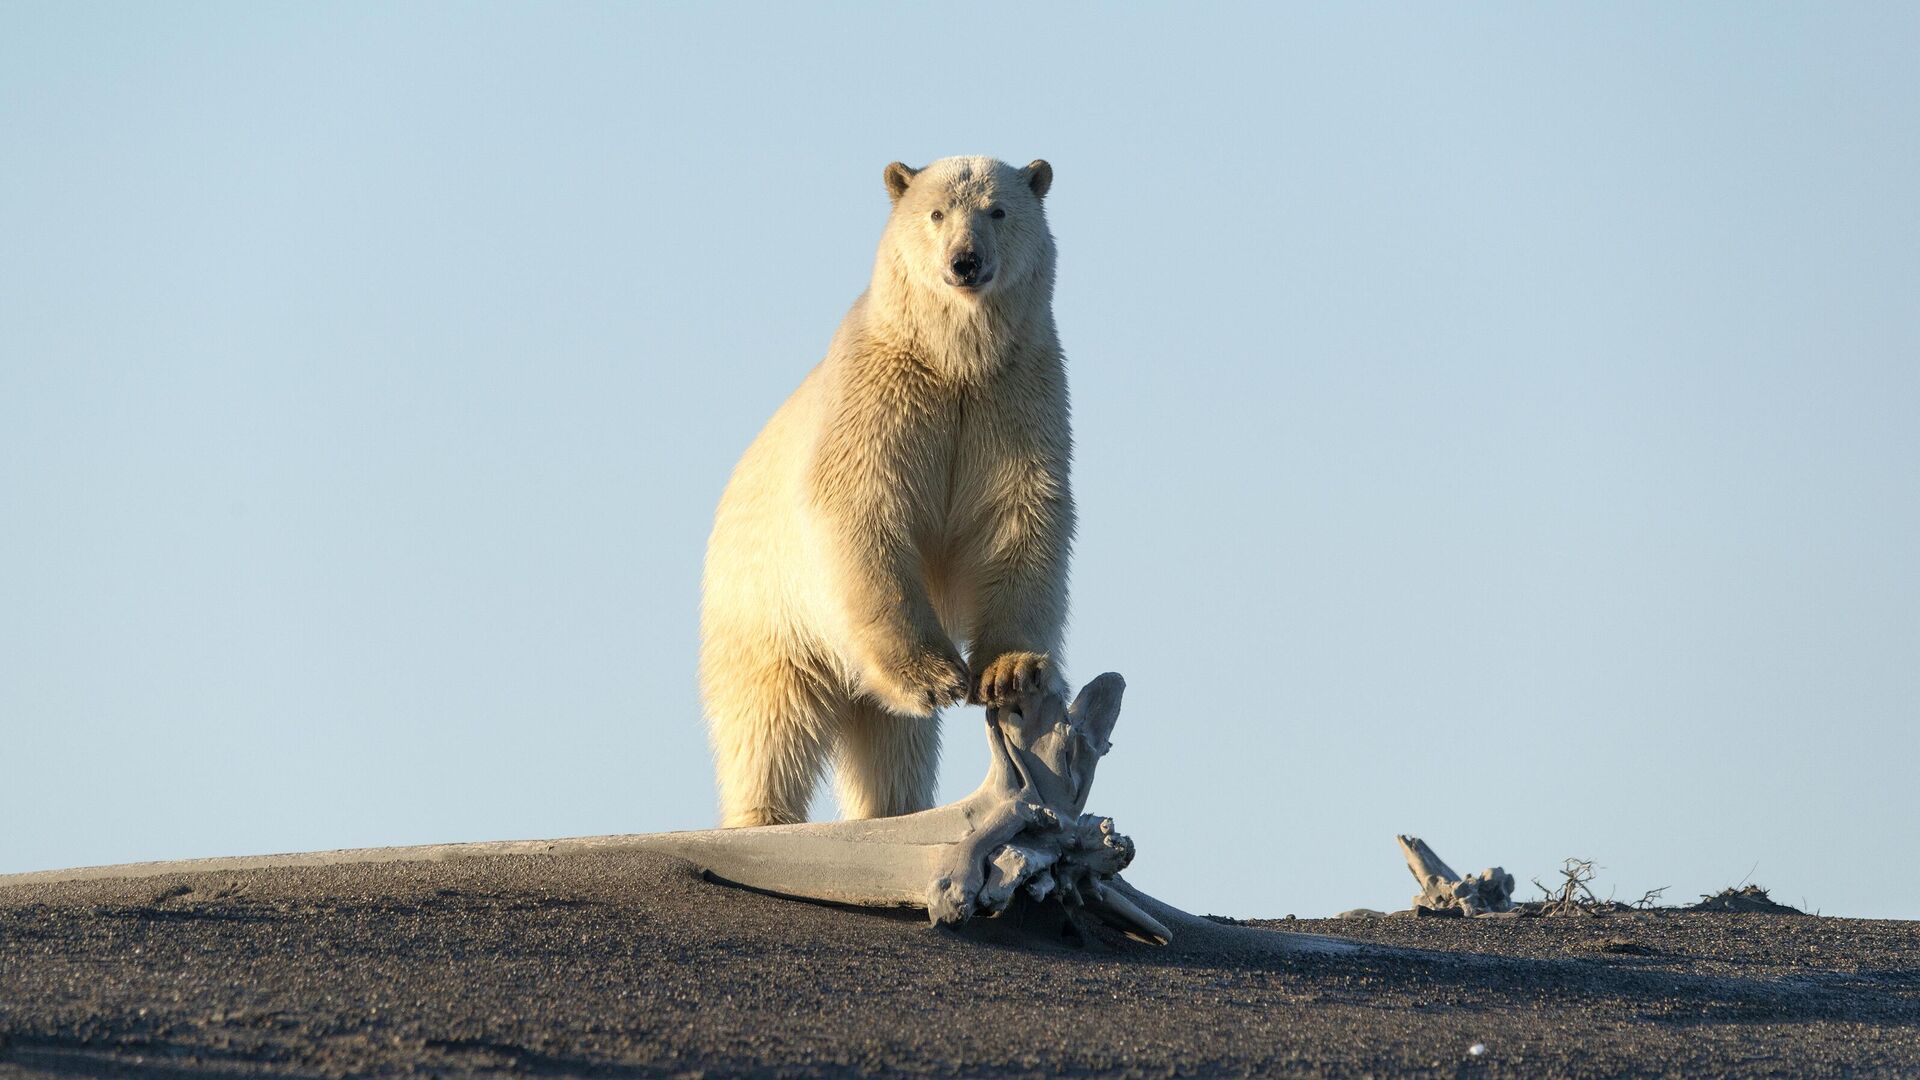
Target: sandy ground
[(623, 964)]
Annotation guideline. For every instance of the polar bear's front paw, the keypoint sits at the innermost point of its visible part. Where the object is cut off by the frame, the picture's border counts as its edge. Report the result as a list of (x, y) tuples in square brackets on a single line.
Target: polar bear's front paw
[(1008, 676), (931, 676)]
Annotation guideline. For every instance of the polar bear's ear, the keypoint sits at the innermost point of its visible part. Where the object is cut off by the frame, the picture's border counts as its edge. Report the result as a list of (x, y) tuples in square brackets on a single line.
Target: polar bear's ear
[(898, 177), (1039, 176)]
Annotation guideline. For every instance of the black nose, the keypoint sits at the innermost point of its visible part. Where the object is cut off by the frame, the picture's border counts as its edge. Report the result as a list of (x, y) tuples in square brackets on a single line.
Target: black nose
[(966, 267)]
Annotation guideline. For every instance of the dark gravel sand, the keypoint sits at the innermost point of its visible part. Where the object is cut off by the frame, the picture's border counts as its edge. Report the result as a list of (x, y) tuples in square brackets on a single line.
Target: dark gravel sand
[(621, 964)]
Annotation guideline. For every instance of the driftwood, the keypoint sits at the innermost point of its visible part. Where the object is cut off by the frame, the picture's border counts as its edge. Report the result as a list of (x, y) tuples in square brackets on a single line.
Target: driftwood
[(1023, 832), (1750, 898), (1575, 895), (1443, 890)]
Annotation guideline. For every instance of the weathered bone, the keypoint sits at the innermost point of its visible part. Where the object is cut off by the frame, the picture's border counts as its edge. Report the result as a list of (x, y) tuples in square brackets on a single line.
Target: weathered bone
[(1443, 890), (1022, 829)]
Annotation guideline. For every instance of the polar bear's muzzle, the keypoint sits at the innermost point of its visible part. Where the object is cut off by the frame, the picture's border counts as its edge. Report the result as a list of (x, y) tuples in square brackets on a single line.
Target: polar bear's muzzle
[(967, 270)]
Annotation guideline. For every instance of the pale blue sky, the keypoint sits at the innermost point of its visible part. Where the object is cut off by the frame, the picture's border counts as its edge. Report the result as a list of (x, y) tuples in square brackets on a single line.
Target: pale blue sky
[(1493, 424)]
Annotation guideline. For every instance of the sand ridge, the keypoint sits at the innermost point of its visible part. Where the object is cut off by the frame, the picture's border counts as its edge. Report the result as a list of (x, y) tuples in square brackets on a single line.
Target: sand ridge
[(627, 963)]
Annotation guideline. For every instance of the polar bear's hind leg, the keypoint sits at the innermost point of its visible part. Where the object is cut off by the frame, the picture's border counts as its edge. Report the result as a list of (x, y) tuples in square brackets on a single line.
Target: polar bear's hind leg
[(886, 764), (771, 732)]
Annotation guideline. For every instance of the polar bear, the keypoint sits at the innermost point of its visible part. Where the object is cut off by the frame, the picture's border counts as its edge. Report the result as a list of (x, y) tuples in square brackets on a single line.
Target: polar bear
[(911, 495)]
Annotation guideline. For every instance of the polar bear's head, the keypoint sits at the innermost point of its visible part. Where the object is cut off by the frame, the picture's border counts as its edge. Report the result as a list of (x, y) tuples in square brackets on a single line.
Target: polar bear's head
[(970, 227)]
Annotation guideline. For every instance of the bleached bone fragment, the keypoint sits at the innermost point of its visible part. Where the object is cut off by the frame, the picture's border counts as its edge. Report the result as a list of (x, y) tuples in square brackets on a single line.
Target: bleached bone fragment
[(1024, 827), (1491, 890)]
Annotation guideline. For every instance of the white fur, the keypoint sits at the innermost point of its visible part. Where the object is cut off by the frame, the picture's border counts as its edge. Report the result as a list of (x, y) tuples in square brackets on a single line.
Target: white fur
[(911, 494)]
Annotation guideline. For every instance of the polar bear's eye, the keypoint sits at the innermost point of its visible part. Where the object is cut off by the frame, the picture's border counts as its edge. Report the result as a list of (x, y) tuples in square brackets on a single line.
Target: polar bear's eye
[(937, 215), (998, 213)]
